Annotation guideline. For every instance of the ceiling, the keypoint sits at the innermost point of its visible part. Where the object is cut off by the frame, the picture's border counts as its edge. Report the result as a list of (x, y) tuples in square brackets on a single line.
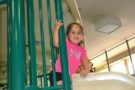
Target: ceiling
[(92, 11)]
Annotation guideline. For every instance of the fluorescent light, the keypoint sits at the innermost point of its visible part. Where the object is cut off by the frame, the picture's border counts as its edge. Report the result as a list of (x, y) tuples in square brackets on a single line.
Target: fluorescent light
[(108, 28), (108, 24)]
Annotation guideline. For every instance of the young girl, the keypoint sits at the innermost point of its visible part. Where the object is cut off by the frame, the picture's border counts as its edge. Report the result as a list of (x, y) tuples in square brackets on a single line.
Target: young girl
[(75, 51)]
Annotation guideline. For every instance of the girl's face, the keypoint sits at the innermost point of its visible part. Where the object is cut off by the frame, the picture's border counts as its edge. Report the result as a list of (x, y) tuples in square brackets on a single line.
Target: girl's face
[(75, 35)]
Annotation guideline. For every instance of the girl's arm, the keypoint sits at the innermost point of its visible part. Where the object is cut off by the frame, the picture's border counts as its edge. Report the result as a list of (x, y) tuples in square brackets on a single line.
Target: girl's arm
[(56, 34), (86, 69)]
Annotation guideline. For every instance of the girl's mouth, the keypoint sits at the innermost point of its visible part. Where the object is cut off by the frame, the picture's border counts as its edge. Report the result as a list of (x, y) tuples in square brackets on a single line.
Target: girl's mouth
[(77, 38)]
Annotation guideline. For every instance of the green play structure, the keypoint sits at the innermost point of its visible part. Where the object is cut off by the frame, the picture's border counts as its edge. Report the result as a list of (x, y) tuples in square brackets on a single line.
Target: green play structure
[(16, 48)]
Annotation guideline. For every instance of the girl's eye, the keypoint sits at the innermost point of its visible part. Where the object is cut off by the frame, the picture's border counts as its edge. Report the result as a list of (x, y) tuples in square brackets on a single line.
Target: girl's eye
[(73, 32), (79, 33)]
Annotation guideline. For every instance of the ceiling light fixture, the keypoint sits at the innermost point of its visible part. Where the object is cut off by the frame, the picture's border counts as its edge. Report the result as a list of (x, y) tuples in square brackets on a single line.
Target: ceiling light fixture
[(108, 24)]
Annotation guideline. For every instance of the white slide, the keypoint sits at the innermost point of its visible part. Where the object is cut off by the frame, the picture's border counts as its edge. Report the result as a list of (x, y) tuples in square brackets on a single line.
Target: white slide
[(103, 81)]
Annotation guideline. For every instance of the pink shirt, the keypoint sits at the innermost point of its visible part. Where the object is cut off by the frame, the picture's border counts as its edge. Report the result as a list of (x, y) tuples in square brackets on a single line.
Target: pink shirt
[(75, 54)]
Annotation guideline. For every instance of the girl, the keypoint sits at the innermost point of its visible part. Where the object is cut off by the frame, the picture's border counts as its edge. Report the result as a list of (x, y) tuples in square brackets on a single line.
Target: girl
[(75, 50)]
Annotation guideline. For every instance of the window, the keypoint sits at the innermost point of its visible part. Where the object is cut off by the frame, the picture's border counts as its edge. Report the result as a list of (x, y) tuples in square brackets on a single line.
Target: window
[(118, 66)]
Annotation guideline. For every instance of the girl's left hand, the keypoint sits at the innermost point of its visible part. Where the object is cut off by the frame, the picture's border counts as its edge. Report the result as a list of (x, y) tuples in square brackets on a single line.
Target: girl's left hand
[(84, 73)]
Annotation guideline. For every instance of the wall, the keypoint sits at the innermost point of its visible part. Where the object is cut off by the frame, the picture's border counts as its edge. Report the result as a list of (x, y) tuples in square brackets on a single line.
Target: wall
[(3, 44)]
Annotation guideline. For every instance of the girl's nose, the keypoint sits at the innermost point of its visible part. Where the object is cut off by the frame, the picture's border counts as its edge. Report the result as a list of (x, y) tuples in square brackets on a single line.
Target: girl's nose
[(77, 37)]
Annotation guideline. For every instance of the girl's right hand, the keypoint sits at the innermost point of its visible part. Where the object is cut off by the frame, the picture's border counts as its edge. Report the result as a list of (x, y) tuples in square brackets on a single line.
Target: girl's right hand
[(58, 24), (56, 33)]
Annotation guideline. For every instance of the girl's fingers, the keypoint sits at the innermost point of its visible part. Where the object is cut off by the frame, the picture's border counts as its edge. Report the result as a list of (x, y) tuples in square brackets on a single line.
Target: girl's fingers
[(83, 73), (59, 21), (58, 24)]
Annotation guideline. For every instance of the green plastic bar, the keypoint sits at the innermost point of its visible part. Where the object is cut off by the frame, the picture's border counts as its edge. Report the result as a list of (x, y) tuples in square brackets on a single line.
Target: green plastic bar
[(42, 44), (59, 87), (9, 22), (62, 48), (16, 41), (45, 88), (31, 42), (3, 2), (31, 88), (51, 42)]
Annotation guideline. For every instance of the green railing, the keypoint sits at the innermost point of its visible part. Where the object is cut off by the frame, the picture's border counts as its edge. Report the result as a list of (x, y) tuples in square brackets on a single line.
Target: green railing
[(17, 67)]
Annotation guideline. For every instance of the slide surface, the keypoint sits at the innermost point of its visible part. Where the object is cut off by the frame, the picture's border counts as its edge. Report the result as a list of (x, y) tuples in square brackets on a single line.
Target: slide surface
[(103, 81)]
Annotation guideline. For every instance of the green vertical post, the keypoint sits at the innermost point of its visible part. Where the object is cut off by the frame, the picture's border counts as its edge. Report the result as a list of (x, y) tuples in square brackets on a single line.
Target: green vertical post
[(9, 70), (42, 44), (51, 41), (31, 42), (16, 41), (62, 43)]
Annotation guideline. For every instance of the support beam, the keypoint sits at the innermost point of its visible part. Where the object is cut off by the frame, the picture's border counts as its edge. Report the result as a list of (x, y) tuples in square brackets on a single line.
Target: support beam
[(74, 10)]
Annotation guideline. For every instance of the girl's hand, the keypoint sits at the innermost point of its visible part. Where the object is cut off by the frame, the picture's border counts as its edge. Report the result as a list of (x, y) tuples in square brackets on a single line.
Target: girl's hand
[(84, 73), (55, 34), (58, 24)]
